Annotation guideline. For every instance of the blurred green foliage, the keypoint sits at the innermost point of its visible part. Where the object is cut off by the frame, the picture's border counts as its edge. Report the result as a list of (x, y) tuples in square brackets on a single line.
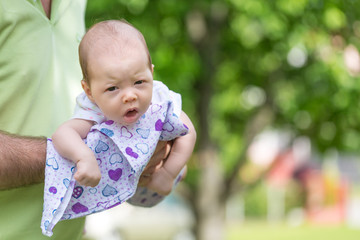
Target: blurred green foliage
[(255, 204), (256, 199), (287, 55)]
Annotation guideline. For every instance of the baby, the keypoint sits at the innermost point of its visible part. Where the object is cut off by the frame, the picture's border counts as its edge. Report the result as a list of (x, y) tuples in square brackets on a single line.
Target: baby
[(118, 86), (118, 121)]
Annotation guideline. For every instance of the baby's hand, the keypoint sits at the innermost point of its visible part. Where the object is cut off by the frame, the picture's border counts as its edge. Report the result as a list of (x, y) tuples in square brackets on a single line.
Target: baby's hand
[(88, 172), (161, 182)]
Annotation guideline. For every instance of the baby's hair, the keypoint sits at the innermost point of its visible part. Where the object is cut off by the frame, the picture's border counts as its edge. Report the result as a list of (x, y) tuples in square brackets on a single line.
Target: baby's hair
[(120, 32)]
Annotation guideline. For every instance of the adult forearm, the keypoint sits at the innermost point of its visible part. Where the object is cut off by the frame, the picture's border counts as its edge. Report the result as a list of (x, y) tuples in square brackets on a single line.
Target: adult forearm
[(22, 160)]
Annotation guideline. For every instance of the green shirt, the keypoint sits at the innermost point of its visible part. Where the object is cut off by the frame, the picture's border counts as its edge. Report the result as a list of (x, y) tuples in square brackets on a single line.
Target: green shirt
[(39, 80)]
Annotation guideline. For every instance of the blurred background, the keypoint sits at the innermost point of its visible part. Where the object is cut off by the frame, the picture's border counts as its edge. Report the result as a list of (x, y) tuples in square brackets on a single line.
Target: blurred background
[(273, 90)]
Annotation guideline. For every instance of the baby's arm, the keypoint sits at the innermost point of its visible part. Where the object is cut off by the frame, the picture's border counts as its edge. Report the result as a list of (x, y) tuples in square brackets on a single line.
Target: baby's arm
[(163, 178), (68, 142)]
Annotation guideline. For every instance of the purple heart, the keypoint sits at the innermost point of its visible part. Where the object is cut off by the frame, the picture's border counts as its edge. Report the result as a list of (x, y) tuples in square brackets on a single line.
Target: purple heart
[(131, 153), (159, 125), (109, 122), (115, 174), (77, 192), (53, 190), (79, 208)]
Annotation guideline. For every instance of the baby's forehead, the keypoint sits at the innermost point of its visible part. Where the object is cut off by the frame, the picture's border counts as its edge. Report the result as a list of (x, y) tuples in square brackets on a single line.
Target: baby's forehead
[(117, 48), (116, 43)]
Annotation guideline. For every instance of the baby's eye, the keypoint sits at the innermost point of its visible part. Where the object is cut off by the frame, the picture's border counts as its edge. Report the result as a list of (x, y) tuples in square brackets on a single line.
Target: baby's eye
[(139, 82), (110, 89)]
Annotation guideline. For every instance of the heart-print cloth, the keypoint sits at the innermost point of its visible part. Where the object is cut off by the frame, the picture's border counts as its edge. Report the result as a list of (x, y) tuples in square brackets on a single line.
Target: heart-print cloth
[(122, 153)]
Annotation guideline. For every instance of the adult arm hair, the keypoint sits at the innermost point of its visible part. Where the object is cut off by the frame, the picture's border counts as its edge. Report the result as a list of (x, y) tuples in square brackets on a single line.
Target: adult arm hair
[(22, 160)]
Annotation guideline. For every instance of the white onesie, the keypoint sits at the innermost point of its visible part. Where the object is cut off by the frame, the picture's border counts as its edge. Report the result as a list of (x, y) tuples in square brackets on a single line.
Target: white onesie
[(122, 153)]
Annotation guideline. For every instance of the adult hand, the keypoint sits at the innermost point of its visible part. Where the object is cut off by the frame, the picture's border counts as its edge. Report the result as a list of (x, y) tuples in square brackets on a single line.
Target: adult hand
[(161, 153)]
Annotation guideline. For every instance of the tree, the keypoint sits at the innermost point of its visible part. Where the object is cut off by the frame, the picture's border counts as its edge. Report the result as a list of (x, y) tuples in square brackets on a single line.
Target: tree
[(243, 66)]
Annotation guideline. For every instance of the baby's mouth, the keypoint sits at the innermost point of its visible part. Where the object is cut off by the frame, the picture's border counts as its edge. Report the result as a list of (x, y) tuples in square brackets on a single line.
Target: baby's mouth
[(131, 112), (131, 115)]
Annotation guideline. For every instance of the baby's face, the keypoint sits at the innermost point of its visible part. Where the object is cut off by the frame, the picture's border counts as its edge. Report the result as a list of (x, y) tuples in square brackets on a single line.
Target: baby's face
[(121, 84)]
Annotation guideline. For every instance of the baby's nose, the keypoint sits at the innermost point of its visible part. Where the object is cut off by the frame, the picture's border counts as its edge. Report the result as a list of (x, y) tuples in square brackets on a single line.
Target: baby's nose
[(129, 96)]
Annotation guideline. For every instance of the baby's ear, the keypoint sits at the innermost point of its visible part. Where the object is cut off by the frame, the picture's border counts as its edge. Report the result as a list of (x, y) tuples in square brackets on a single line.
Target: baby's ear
[(87, 89)]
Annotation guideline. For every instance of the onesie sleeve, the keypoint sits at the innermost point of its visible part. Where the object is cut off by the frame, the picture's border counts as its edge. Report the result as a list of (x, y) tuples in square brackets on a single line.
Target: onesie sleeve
[(172, 125), (162, 93), (87, 110)]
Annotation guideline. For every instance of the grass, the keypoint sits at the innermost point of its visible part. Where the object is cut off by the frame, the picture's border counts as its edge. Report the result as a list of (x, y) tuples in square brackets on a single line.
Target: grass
[(265, 231)]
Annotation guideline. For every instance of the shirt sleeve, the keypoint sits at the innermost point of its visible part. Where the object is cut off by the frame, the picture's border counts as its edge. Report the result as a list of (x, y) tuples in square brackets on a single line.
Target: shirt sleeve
[(85, 109)]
